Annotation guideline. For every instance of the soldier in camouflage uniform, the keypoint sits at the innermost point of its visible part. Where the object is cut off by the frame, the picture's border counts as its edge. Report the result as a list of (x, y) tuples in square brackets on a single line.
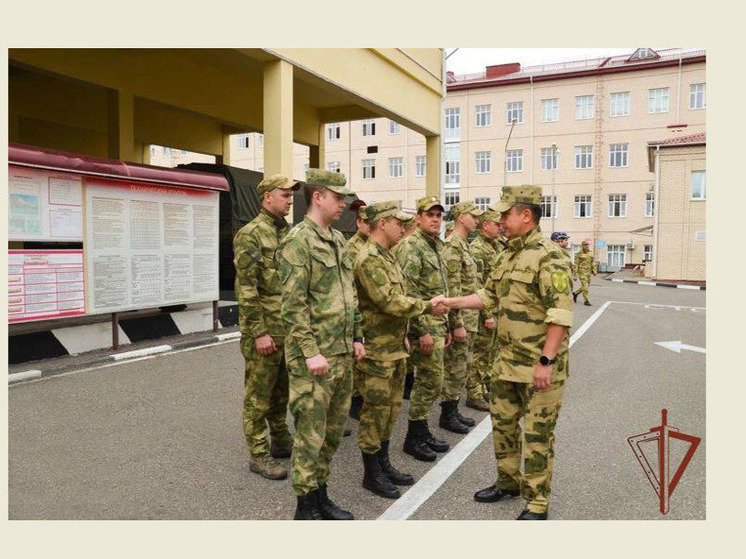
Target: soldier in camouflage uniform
[(485, 249), (449, 229), (262, 331), (461, 270), (324, 331), (561, 239), (421, 258), (410, 226), (385, 308), (584, 266), (529, 291)]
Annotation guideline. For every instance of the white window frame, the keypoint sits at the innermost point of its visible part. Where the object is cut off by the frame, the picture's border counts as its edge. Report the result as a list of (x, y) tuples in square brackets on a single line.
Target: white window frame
[(369, 169), (616, 253), (333, 166), (619, 103), (649, 204), (482, 202), (549, 159), (550, 110), (483, 161), (583, 204), (549, 206), (396, 167), (260, 140), (698, 96), (333, 131), (483, 115), (514, 161), (420, 166), (451, 197), (647, 253), (452, 124), (584, 107), (584, 155), (618, 155), (369, 127), (703, 194), (453, 165), (658, 100), (514, 110), (243, 141), (394, 128), (617, 201), (167, 152)]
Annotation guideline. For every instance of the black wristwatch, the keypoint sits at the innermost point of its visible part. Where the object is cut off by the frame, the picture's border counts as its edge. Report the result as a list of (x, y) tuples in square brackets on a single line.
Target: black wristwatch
[(544, 360)]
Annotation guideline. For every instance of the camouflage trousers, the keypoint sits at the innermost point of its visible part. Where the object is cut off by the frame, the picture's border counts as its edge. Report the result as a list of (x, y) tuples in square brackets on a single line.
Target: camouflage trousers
[(540, 410), (357, 380), (483, 360), (585, 282), (457, 365), (428, 381), (265, 402), (383, 387), (319, 405)]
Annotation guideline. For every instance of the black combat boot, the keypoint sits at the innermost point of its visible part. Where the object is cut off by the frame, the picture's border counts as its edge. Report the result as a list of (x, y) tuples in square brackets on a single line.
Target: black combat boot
[(375, 480), (415, 441), (327, 508), (448, 419), (528, 515), (308, 508), (394, 475), (468, 421), (356, 404), (435, 444), (408, 384)]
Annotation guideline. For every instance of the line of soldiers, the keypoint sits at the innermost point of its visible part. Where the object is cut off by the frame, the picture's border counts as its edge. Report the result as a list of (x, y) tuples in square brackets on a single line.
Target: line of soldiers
[(316, 313), (583, 266)]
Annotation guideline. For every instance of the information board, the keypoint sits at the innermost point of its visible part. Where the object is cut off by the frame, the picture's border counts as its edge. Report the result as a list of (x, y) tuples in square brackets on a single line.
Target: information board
[(44, 284), (149, 246)]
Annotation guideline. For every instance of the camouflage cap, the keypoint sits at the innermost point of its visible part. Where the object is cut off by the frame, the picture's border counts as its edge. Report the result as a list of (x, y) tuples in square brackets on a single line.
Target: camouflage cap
[(428, 203), (379, 210), (329, 179), (363, 212), (524, 194), (410, 217), (489, 215), (277, 181), (465, 208), (450, 225), (585, 243)]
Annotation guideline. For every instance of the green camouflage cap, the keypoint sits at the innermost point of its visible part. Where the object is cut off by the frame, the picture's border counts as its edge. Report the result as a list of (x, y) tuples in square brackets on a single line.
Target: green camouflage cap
[(428, 203), (410, 218), (465, 208), (277, 181), (450, 225), (379, 210), (329, 179), (524, 194), (489, 215), (362, 213)]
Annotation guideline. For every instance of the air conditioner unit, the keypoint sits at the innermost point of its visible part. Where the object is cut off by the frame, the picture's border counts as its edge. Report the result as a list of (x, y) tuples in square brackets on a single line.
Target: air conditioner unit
[(631, 245)]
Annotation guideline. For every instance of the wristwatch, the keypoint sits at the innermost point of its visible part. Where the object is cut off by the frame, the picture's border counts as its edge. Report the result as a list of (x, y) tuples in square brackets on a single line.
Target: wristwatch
[(544, 360)]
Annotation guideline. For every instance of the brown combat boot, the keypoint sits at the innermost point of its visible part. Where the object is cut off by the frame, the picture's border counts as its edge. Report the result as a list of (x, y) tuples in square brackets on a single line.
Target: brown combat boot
[(267, 467)]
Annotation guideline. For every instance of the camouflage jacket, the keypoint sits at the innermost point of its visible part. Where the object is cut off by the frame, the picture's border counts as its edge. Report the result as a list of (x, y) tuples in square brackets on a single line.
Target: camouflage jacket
[(530, 288), (584, 264), (355, 243), (485, 253), (420, 257), (257, 287), (319, 303), (463, 279), (384, 303)]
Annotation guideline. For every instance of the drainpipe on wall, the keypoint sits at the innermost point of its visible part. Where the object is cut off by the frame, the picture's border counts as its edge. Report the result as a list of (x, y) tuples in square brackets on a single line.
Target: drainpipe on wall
[(531, 81), (657, 210), (678, 96)]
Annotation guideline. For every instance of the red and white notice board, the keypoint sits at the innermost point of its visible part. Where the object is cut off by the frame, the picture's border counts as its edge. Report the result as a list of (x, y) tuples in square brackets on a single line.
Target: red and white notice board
[(44, 284)]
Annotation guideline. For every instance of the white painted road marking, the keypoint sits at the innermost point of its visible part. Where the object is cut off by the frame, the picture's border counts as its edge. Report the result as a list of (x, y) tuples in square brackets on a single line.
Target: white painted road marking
[(677, 346), (24, 375), (141, 352)]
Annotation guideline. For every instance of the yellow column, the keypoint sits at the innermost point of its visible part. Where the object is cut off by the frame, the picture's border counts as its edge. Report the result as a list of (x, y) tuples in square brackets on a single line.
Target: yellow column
[(121, 132), (225, 158), (317, 154), (278, 118), (433, 166)]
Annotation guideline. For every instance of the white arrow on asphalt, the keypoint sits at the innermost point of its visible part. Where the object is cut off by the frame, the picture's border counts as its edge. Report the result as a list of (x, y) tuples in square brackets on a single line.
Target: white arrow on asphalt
[(678, 346)]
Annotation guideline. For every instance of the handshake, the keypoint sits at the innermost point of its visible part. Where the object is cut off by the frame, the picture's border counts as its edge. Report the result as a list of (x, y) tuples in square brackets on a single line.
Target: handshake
[(439, 305)]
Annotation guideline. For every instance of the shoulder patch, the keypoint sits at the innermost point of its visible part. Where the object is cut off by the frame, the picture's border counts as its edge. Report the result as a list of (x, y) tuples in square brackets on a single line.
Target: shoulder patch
[(379, 277), (560, 281)]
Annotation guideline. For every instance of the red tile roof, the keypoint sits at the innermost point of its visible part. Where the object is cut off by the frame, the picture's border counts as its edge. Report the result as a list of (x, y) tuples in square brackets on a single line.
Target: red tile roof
[(691, 139)]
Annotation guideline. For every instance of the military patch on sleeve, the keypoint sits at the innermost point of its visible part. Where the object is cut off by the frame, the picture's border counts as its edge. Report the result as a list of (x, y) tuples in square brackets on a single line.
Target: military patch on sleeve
[(560, 281), (379, 277)]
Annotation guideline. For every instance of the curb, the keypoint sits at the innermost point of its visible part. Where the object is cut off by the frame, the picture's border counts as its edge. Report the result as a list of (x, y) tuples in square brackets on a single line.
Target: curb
[(660, 284)]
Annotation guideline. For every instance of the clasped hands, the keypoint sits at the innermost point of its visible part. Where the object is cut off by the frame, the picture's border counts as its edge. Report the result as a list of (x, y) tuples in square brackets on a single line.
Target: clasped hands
[(439, 305)]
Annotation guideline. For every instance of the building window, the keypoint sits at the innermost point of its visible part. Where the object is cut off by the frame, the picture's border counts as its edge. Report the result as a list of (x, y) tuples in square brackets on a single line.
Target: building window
[(698, 185), (306, 166), (514, 112), (649, 204), (583, 157), (453, 124), (243, 141), (484, 115), (647, 254), (484, 162), (583, 206), (549, 110), (617, 205), (548, 158), (260, 139), (453, 164), (584, 107), (482, 203), (419, 166), (618, 155), (152, 151), (167, 152), (394, 127), (369, 127), (697, 98), (333, 131), (615, 256), (450, 198), (514, 160), (620, 103), (184, 152), (369, 168), (396, 167), (658, 100), (333, 166), (548, 206)]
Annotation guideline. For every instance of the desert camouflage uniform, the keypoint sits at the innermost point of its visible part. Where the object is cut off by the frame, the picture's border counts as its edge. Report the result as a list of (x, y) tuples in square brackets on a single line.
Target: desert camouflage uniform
[(420, 257), (258, 294), (529, 289), (386, 309), (354, 245), (319, 309), (584, 266)]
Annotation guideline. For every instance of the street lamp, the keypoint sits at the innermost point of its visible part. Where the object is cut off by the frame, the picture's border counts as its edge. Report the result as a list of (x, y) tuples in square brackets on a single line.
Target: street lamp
[(552, 205)]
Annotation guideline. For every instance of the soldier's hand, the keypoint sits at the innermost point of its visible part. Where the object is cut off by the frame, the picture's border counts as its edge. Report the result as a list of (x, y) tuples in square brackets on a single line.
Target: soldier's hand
[(542, 376), (490, 323), (265, 345), (459, 334), (426, 344), (359, 350), (407, 345), (439, 306), (448, 340), (317, 365)]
